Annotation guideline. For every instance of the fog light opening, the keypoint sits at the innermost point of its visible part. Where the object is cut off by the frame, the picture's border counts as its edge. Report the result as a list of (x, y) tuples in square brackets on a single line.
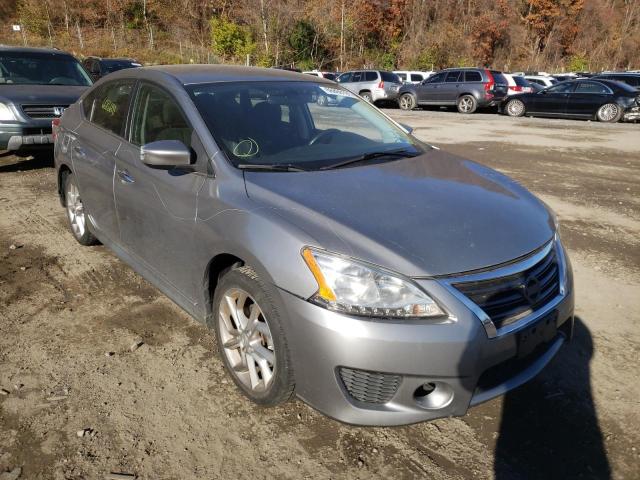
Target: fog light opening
[(433, 395)]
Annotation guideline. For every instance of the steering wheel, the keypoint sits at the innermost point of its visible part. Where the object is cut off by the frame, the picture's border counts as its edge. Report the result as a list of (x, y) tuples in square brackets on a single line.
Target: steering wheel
[(325, 133)]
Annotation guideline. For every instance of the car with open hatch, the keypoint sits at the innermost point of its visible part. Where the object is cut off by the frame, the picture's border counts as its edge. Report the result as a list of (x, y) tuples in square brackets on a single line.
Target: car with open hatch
[(337, 257)]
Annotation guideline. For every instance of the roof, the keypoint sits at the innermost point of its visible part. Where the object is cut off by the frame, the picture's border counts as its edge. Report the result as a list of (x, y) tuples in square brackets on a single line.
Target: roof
[(193, 74), (18, 49)]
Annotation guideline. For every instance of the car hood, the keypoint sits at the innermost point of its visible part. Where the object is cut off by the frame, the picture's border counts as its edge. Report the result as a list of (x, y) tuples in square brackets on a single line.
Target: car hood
[(431, 215), (40, 94)]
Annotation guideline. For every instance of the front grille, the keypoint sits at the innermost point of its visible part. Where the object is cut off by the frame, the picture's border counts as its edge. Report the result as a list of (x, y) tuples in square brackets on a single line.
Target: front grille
[(43, 111), (369, 387), (507, 299)]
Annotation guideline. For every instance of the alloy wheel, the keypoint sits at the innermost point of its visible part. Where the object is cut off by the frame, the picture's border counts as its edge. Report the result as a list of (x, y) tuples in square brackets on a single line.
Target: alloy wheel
[(466, 104), (406, 102), (75, 210), (608, 112), (246, 340), (515, 108)]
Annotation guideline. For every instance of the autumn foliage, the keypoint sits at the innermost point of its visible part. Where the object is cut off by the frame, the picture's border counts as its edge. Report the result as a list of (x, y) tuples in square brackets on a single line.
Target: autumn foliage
[(339, 34)]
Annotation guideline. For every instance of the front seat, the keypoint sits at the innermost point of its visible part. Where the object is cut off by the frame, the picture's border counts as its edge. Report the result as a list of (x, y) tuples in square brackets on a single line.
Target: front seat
[(175, 126)]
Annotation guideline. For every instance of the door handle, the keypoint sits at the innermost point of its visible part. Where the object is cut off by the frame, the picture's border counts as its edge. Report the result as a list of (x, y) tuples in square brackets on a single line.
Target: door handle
[(79, 152), (125, 177)]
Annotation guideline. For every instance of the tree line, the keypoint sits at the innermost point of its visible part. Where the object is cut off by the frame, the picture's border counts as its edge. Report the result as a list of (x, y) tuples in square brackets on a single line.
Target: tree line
[(511, 35)]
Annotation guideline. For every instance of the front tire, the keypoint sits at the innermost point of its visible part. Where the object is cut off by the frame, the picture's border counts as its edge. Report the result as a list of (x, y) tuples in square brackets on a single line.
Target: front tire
[(515, 108), (407, 102), (609, 113), (251, 339), (76, 214), (467, 104)]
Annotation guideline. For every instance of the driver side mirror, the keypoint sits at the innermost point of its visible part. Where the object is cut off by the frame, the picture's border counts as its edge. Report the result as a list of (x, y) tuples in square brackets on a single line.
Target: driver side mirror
[(165, 153)]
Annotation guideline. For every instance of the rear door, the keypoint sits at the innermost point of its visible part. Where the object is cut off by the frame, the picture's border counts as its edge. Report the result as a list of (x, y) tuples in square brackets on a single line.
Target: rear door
[(93, 149), (552, 100), (429, 89), (587, 97), (157, 206), (448, 93)]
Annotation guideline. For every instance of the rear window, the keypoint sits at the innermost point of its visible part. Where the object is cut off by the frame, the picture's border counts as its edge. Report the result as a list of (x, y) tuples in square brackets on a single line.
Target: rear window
[(521, 81), (499, 78), (329, 76), (107, 105), (402, 76), (472, 76), (591, 87), (390, 77), (453, 76)]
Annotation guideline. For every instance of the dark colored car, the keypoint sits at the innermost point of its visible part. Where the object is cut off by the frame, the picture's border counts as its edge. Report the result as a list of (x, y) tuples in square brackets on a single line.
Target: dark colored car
[(604, 100), (467, 88), (632, 79), (36, 85), (99, 67)]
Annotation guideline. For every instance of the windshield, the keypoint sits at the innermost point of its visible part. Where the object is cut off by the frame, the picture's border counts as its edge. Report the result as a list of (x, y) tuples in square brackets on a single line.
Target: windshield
[(26, 68), (307, 125)]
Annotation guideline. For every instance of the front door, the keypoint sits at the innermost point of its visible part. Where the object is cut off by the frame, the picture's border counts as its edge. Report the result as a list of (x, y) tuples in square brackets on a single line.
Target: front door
[(448, 93), (157, 206), (428, 90), (552, 100)]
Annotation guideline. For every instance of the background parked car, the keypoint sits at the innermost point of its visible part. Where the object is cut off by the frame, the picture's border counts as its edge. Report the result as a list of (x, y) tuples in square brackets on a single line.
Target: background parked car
[(563, 77), (543, 80), (408, 76), (517, 84), (467, 88), (318, 73), (99, 67), (36, 85), (632, 79), (604, 100), (372, 85)]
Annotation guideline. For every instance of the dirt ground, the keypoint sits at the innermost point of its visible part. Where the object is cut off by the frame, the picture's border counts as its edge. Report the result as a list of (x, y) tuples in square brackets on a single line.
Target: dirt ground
[(78, 403)]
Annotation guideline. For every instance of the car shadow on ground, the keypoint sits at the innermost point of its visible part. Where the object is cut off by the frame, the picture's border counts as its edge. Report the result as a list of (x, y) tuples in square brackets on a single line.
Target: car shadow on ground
[(549, 427), (11, 163)]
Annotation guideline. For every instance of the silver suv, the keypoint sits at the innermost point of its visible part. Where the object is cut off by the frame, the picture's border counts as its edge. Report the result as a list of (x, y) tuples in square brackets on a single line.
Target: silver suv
[(372, 85)]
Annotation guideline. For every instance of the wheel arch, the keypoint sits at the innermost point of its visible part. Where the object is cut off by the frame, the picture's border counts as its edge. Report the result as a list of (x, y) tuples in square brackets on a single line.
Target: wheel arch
[(63, 171), (215, 268)]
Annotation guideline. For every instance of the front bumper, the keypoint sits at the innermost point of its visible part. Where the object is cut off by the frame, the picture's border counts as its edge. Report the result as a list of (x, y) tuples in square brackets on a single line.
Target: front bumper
[(384, 94), (20, 137), (632, 114), (455, 354)]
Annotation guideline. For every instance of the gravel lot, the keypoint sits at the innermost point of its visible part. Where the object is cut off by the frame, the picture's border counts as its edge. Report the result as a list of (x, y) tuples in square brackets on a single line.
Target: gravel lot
[(79, 402)]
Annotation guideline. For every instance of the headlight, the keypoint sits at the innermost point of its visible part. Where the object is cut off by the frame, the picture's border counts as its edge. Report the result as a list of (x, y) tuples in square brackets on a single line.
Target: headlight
[(352, 287), (6, 113)]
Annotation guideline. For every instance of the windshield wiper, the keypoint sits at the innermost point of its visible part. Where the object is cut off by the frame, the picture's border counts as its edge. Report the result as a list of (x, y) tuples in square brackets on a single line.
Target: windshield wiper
[(372, 155), (275, 167)]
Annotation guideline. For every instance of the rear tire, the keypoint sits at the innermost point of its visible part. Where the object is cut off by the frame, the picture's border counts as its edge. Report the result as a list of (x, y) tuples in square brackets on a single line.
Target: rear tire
[(407, 102), (367, 96), (79, 222), (252, 341), (515, 108), (467, 104), (609, 113)]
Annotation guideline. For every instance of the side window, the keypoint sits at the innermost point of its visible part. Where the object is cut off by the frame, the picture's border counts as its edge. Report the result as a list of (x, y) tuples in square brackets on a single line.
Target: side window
[(437, 78), (344, 78), (107, 106), (356, 77), (416, 77), (452, 77), (472, 76), (158, 117), (591, 87), (564, 87), (370, 76), (403, 76)]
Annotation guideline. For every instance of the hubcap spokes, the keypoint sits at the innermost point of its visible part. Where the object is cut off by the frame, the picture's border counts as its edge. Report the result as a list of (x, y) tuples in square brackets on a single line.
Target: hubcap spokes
[(246, 339), (75, 210), (609, 112), (465, 104)]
